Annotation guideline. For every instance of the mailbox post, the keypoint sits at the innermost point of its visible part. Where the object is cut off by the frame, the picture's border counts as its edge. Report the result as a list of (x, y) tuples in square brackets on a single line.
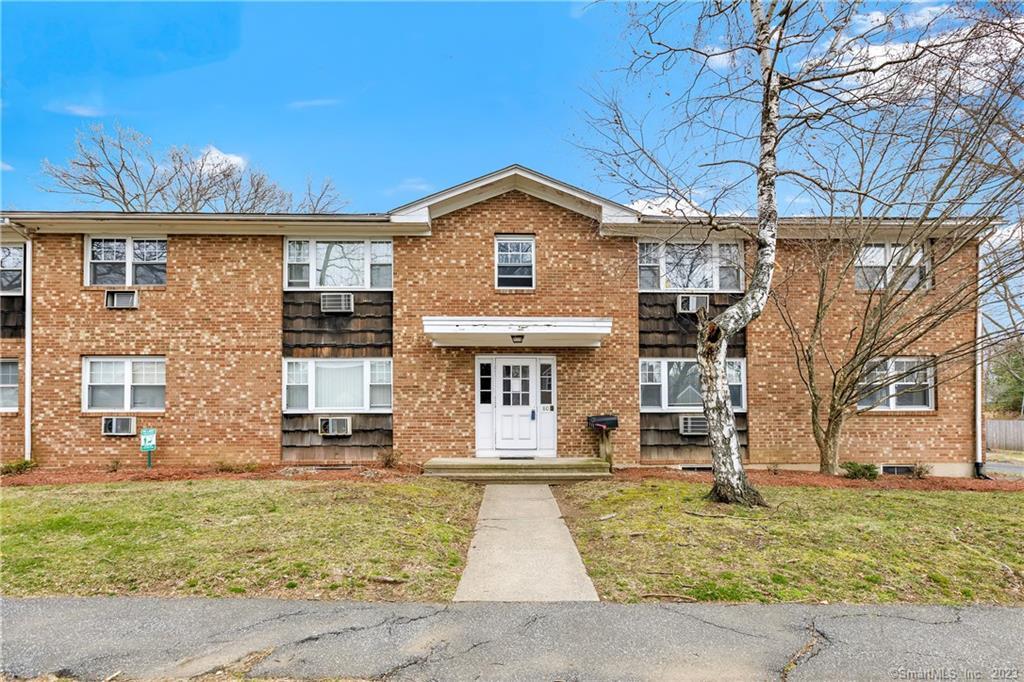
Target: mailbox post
[(604, 425)]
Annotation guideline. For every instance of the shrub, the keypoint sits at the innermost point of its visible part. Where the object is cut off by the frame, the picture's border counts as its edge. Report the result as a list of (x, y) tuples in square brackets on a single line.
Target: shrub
[(229, 468), (856, 470), (389, 458), (114, 465), (19, 467), (920, 471)]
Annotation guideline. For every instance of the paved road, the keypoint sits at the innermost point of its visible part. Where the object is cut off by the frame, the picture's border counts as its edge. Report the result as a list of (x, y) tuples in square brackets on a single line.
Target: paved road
[(522, 551), (1005, 468), (175, 638)]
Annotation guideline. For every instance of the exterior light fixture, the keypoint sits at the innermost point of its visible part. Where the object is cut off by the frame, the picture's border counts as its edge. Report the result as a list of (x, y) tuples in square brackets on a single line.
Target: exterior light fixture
[(517, 338)]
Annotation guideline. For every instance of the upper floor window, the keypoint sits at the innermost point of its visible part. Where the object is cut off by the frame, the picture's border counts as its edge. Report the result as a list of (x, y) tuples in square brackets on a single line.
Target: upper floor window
[(515, 261), (126, 261), (12, 268), (673, 385), (898, 384), (133, 384), (8, 385), (338, 264), (677, 266), (883, 264), (313, 385)]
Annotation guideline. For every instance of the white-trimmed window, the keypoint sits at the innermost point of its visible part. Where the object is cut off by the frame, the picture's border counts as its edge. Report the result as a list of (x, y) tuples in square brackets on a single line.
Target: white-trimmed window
[(690, 266), (883, 263), (515, 261), (123, 384), (126, 261), (321, 264), (337, 385), (673, 385), (8, 385), (12, 270), (898, 384)]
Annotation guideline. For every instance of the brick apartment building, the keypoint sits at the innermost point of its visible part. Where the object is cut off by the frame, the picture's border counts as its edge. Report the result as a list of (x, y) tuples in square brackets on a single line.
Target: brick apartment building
[(487, 320)]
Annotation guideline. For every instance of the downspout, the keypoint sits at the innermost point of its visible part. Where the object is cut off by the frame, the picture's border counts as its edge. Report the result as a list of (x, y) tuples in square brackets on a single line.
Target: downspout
[(28, 348), (979, 460)]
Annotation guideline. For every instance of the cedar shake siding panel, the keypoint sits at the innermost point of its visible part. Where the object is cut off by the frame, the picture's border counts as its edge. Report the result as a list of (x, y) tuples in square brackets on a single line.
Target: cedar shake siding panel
[(664, 333), (366, 332), (661, 441), (301, 442), (12, 317)]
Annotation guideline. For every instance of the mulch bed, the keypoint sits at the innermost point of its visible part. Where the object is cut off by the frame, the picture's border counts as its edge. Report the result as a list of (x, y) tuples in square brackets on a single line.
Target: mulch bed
[(70, 475), (806, 478)]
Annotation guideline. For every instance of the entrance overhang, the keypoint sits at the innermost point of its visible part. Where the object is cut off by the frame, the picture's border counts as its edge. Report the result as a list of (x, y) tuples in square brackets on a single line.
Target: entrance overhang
[(518, 332)]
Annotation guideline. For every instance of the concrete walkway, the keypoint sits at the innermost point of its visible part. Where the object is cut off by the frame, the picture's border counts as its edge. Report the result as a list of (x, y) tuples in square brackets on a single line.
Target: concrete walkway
[(96, 638), (522, 550)]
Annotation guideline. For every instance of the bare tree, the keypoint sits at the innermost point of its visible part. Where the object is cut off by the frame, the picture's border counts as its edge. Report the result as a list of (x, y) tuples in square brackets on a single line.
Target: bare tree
[(322, 199), (120, 169), (768, 89), (1003, 314)]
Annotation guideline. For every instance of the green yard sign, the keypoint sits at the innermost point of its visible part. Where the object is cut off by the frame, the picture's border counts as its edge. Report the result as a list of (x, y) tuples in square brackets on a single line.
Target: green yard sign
[(148, 444)]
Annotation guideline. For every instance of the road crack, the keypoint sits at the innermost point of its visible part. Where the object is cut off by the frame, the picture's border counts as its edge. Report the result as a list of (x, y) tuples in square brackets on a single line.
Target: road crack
[(817, 642)]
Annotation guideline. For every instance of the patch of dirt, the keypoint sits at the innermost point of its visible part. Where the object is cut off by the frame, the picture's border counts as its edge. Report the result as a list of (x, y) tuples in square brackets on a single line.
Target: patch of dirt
[(72, 475), (806, 478)]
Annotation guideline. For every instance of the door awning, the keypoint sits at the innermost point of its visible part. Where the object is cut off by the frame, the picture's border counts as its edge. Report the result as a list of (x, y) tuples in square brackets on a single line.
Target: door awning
[(518, 332)]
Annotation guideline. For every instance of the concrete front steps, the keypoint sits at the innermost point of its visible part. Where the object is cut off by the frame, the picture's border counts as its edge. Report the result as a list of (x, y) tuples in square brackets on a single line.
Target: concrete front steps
[(537, 470)]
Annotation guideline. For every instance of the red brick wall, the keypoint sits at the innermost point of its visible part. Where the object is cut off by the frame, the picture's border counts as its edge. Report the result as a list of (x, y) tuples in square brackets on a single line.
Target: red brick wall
[(218, 323), (452, 273), (780, 429), (12, 424)]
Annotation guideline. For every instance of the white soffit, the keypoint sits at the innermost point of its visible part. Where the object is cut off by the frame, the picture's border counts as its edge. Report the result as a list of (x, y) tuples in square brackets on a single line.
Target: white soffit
[(536, 332), (514, 178)]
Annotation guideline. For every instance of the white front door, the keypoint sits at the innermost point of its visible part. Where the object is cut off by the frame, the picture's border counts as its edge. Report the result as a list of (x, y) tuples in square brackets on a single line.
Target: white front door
[(515, 414), (516, 411)]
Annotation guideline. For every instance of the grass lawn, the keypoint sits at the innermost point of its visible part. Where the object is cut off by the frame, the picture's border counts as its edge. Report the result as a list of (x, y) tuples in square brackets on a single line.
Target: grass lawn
[(863, 546), (335, 540)]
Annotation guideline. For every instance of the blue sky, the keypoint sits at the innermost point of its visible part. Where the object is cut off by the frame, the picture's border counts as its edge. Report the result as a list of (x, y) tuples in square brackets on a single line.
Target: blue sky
[(391, 100)]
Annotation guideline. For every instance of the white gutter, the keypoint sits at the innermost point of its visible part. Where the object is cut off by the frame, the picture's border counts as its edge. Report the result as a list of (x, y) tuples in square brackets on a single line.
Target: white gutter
[(28, 349)]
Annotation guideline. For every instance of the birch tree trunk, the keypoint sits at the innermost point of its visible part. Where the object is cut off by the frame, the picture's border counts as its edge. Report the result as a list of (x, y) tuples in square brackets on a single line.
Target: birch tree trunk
[(731, 484)]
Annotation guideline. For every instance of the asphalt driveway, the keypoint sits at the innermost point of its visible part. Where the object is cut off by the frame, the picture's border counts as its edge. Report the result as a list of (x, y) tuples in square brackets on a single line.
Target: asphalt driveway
[(94, 638)]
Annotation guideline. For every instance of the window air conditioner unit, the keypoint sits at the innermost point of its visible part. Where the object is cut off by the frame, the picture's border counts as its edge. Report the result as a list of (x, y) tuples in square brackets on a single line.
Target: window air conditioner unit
[(337, 302), (691, 303), (119, 426), (690, 425), (119, 299), (335, 426)]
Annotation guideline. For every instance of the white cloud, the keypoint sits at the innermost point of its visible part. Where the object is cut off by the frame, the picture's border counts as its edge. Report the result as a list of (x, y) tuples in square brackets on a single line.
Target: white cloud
[(312, 103), (77, 109), (418, 185), (6, 166), (216, 158)]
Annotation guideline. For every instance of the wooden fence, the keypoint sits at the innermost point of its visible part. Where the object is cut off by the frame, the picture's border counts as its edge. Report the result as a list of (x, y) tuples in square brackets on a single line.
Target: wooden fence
[(1005, 434)]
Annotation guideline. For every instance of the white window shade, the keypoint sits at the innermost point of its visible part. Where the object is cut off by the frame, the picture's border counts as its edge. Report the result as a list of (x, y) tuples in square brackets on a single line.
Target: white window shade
[(339, 385)]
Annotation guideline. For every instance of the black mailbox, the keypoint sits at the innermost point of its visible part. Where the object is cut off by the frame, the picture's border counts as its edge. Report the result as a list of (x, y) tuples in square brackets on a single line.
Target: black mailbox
[(603, 422)]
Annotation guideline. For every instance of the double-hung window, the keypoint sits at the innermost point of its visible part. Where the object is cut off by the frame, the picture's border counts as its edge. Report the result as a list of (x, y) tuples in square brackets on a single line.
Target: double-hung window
[(679, 266), (126, 261), (673, 385), (898, 384), (342, 385), (338, 264), (135, 384), (885, 264), (12, 268), (8, 385), (515, 261)]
